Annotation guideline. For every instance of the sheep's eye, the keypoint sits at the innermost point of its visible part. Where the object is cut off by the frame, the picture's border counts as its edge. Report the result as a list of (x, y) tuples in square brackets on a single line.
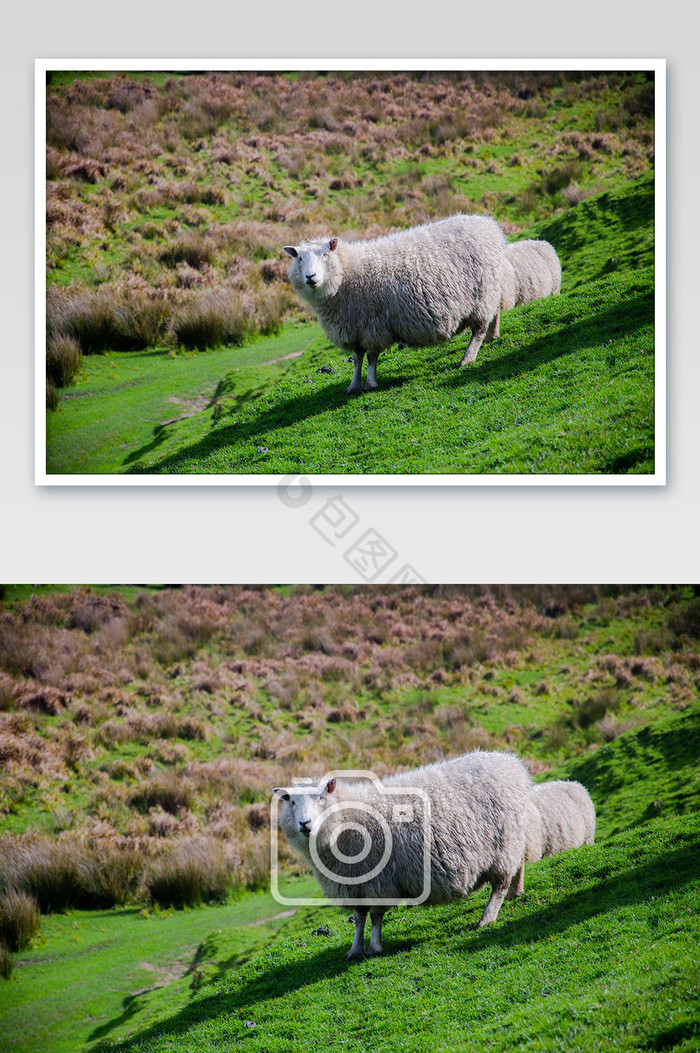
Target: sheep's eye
[(292, 804), (325, 256)]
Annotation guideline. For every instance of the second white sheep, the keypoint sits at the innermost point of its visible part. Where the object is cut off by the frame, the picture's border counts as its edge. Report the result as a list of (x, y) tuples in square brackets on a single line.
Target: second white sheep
[(561, 815), (531, 271)]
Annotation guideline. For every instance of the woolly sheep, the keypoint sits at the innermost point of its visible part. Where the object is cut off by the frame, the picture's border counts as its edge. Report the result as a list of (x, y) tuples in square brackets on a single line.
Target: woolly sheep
[(475, 835), (531, 271), (419, 287), (561, 815)]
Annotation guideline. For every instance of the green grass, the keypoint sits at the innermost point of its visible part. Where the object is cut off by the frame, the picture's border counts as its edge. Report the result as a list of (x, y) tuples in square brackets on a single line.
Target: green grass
[(568, 388), (93, 973), (644, 774), (602, 953), (126, 406)]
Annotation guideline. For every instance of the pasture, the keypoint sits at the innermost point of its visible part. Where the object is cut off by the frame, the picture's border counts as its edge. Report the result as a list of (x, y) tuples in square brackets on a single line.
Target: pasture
[(142, 729), (168, 201)]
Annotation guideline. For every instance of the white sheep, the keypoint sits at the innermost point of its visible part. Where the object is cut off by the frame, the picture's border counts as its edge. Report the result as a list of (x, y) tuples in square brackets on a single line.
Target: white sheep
[(429, 835), (531, 271), (561, 815), (419, 287)]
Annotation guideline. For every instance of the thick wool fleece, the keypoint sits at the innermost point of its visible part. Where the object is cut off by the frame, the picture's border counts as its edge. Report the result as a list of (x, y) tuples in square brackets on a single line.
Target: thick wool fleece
[(561, 815), (419, 287), (478, 816), (531, 271)]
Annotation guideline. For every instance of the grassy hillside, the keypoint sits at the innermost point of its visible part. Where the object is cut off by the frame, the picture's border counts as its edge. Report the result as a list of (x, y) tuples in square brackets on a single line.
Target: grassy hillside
[(169, 201), (601, 954), (142, 729)]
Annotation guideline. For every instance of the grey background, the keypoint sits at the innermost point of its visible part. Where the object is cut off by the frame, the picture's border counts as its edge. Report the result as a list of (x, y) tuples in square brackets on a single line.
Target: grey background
[(205, 533)]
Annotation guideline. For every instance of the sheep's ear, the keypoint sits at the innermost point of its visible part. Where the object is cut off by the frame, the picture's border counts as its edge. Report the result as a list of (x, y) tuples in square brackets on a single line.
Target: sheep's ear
[(290, 250), (330, 786), (333, 244), (281, 792)]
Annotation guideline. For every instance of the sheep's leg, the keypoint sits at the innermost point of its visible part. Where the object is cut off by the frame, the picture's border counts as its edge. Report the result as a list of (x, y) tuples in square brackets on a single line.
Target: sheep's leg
[(375, 943), (499, 888), (358, 944), (478, 334), (494, 328), (356, 382), (371, 383), (517, 885)]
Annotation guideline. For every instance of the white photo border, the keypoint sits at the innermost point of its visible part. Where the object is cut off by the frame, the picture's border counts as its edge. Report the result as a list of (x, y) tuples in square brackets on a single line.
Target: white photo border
[(655, 65)]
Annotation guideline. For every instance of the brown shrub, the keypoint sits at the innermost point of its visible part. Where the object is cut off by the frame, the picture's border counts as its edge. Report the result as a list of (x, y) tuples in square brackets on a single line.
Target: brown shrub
[(192, 249), (64, 359), (258, 816), (8, 693), (19, 919), (191, 872), (111, 317), (168, 791), (210, 318)]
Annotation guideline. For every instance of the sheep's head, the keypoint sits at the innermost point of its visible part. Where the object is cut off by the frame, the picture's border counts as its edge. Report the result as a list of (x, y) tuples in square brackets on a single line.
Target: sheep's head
[(315, 267), (302, 810)]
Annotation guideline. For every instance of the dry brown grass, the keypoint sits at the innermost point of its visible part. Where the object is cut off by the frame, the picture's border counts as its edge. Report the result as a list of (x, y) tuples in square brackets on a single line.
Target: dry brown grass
[(130, 726), (153, 170), (19, 919), (193, 871)]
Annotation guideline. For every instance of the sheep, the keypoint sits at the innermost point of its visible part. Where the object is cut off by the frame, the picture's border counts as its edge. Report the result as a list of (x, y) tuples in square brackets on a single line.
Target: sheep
[(419, 287), (431, 835), (561, 815), (531, 271)]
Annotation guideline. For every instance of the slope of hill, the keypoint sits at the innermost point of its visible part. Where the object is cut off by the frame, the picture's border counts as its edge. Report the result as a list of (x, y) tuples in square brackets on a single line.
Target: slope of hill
[(168, 204), (600, 954), (141, 730)]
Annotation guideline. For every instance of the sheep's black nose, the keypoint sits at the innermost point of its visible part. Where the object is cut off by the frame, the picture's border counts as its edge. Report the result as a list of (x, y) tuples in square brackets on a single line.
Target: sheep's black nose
[(304, 826), (311, 280)]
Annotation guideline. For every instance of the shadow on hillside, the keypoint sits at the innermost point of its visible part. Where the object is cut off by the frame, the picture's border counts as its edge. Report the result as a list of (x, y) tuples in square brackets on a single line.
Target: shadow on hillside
[(284, 414), (661, 874), (275, 983), (571, 338), (670, 749)]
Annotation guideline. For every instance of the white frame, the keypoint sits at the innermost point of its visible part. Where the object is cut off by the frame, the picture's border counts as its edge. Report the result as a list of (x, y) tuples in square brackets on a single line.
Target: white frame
[(658, 66)]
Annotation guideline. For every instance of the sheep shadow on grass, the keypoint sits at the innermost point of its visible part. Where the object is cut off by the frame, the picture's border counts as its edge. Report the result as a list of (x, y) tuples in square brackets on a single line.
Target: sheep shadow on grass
[(284, 414), (562, 339), (659, 876), (608, 888), (277, 982)]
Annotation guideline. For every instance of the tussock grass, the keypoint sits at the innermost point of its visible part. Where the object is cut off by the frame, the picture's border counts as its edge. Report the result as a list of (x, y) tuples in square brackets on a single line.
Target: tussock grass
[(64, 359), (211, 318), (19, 919), (192, 872)]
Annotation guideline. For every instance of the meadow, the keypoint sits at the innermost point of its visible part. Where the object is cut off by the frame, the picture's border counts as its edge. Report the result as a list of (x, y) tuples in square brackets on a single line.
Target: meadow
[(169, 198), (142, 728)]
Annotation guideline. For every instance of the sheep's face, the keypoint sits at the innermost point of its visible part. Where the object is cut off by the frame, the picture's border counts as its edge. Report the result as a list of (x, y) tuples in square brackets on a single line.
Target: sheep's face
[(314, 269), (302, 811)]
